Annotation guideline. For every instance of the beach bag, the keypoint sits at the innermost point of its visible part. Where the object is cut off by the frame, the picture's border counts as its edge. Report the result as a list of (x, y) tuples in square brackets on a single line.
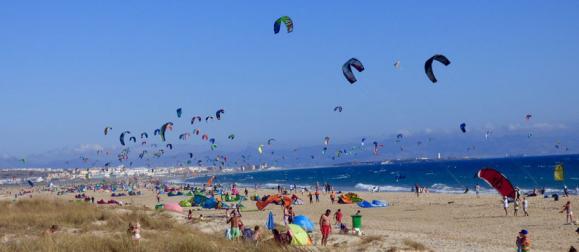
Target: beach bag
[(247, 234)]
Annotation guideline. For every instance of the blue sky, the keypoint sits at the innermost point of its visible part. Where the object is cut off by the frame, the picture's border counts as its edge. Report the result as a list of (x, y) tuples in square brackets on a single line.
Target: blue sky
[(69, 69)]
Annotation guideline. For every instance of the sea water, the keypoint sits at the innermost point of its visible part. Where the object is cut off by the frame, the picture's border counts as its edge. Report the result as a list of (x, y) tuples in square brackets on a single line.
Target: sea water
[(443, 176)]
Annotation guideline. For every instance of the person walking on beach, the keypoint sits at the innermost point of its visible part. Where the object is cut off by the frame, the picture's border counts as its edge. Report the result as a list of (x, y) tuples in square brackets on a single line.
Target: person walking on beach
[(525, 206), (311, 198), (417, 188), (516, 207), (317, 196), (506, 205), (325, 226), (523, 242), (333, 197), (566, 191), (477, 190), (568, 212)]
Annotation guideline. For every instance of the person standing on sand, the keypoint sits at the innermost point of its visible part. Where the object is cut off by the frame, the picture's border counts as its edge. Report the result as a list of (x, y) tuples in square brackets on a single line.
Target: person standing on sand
[(506, 205), (568, 212), (317, 196), (525, 206), (338, 215), (325, 226), (291, 215), (523, 242), (286, 215), (516, 207), (417, 188), (311, 198), (333, 197), (477, 190), (234, 232)]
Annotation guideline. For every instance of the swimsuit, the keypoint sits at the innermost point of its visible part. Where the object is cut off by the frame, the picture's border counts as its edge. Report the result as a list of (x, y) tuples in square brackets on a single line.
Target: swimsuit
[(326, 229), (235, 232)]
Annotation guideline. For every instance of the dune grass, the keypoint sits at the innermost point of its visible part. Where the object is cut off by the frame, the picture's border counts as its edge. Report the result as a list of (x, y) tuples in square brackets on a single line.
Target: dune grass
[(85, 227)]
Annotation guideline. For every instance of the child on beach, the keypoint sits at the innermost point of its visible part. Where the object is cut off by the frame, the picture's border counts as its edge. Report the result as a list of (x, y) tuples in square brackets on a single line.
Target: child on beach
[(256, 234), (568, 212), (135, 232), (338, 215), (523, 242)]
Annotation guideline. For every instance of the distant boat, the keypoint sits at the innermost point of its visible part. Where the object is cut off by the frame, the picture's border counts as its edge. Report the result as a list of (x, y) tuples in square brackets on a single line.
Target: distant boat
[(387, 162)]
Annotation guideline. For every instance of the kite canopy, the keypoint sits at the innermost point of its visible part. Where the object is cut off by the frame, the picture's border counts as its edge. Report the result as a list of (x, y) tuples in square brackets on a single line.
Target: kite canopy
[(122, 137), (498, 181), (289, 24), (210, 180), (347, 69), (260, 149), (164, 128), (559, 173), (172, 206), (219, 113), (463, 127), (428, 65)]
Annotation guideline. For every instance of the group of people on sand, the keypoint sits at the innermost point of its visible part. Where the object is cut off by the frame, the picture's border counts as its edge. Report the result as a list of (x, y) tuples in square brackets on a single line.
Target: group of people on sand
[(237, 229), (516, 205), (419, 189)]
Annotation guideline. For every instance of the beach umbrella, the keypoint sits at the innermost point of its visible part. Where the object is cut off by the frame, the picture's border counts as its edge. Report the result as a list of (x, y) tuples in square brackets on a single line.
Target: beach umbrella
[(270, 223), (304, 223)]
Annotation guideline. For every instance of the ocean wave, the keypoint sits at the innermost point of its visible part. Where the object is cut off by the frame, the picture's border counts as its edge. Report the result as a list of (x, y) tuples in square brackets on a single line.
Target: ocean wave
[(382, 188), (443, 188), (341, 176)]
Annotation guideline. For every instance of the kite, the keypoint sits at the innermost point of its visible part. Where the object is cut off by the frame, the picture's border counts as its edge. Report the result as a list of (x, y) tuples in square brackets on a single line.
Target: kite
[(289, 24), (498, 181), (428, 65), (347, 69)]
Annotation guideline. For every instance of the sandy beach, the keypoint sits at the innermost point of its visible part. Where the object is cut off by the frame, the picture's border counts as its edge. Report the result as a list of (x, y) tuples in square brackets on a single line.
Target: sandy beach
[(441, 222)]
